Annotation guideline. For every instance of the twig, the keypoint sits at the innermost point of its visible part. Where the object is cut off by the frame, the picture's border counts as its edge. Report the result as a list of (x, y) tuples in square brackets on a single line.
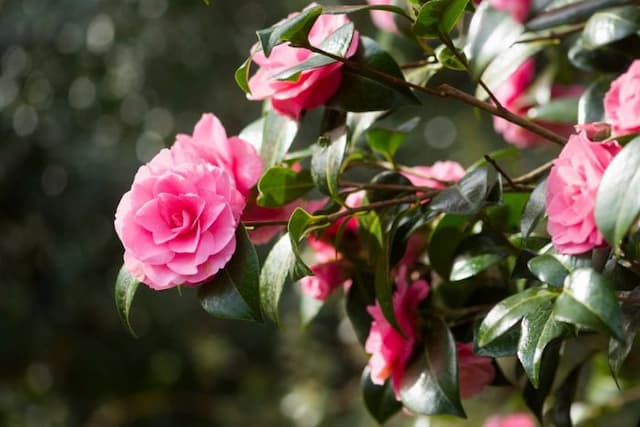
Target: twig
[(534, 174), (415, 64), (501, 171)]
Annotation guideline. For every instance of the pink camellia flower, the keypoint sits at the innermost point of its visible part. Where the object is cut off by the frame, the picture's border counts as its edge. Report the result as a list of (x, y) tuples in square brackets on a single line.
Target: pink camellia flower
[(382, 19), (519, 9), (178, 221), (436, 175), (389, 350), (571, 192), (474, 372), (311, 88), (514, 420), (209, 143), (326, 277), (622, 101)]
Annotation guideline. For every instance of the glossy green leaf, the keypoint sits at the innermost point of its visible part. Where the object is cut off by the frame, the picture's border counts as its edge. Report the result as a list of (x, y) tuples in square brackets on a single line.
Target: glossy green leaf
[(449, 59), (359, 296), (336, 43), (234, 292), (549, 270), (538, 329), (611, 25), (619, 350), (362, 90), (125, 289), (299, 224), (242, 75), (506, 345), (611, 58), (388, 178), (491, 32), (278, 134), (448, 233), (561, 110), (380, 400), (534, 210), (589, 301), (570, 13), (477, 253), (509, 312), (430, 383), (385, 141), (469, 195), (294, 29), (274, 275), (618, 199), (535, 397), (564, 397), (590, 106), (279, 186), (326, 161), (438, 17)]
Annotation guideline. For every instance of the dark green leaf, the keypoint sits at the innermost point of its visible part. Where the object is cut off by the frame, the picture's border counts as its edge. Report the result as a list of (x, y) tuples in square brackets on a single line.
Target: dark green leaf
[(611, 25), (242, 75), (509, 312), (535, 397), (619, 350), (299, 223), (618, 198), (589, 301), (477, 253), (385, 141), (274, 275), (445, 239), (362, 90), (539, 328), (234, 292), (548, 270), (125, 289), (388, 178), (327, 160), (590, 106), (294, 29), (564, 395), (534, 211), (277, 136), (438, 17), (504, 346), (561, 110), (491, 32), (615, 57), (359, 296), (380, 400), (570, 13), (279, 186), (430, 384), (469, 195)]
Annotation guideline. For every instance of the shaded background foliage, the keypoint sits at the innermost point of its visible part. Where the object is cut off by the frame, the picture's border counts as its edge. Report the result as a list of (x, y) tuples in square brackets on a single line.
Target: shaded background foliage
[(88, 91)]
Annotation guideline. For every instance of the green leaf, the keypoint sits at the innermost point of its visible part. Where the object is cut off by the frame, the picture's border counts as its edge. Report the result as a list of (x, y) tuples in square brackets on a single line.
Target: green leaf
[(242, 76), (564, 396), (561, 110), (590, 106), (294, 29), (430, 383), (448, 59), (589, 301), (477, 253), (538, 329), (506, 345), (438, 17), (234, 292), (571, 13), (534, 210), (388, 178), (279, 186), (359, 296), (380, 400), (125, 289), (469, 195), (299, 224), (362, 90), (326, 161), (337, 43), (509, 312), (535, 397), (447, 235), (274, 275), (612, 58), (611, 25), (618, 199), (491, 32), (619, 350), (385, 141), (278, 134), (548, 270)]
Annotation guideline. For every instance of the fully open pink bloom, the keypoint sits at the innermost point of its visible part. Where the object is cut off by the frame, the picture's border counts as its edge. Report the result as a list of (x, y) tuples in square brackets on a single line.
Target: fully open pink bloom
[(622, 101), (209, 143), (178, 221), (514, 420), (571, 192), (519, 9), (383, 19), (389, 350), (474, 372), (436, 175), (311, 88), (326, 277)]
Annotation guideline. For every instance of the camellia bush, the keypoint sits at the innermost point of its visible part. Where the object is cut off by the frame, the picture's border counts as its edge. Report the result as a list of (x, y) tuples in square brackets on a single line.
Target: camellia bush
[(452, 279)]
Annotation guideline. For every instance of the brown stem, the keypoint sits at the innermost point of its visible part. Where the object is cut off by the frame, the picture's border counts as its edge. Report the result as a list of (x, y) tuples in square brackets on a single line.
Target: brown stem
[(447, 91), (415, 64), (533, 175), (501, 171), (370, 186)]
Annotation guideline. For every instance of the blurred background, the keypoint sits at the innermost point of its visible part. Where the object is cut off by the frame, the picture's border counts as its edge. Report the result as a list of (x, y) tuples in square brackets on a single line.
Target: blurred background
[(89, 90)]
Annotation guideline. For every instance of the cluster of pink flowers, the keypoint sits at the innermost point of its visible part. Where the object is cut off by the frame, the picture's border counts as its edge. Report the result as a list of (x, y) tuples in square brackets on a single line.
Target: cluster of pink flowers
[(312, 87), (178, 221)]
